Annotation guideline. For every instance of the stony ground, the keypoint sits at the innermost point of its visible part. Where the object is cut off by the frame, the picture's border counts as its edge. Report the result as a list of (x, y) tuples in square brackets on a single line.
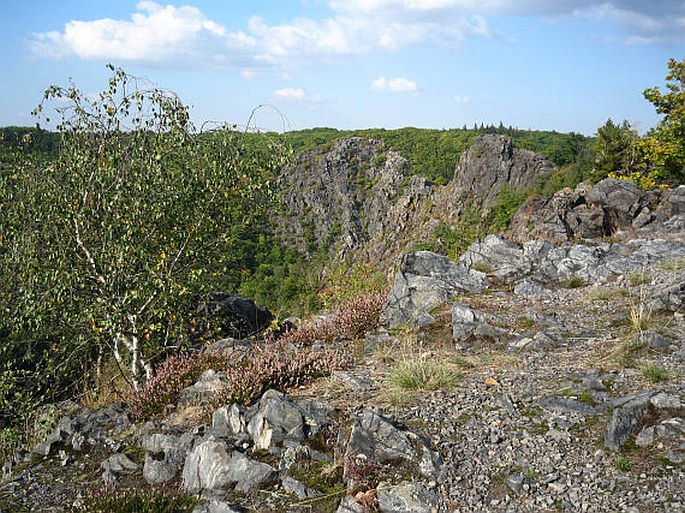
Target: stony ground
[(524, 429)]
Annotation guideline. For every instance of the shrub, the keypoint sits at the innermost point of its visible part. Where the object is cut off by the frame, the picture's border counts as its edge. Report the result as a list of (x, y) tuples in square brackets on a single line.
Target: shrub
[(272, 365), (352, 321), (265, 366), (173, 375)]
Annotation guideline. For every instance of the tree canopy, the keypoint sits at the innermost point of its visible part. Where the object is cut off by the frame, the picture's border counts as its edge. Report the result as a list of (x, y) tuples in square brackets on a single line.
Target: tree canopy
[(105, 247)]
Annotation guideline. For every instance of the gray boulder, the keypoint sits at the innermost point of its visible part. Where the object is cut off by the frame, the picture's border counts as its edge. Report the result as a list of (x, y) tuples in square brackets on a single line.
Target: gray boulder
[(276, 418), (668, 435), (407, 498), (210, 466), (628, 416), (673, 298), (215, 506), (350, 505), (529, 288), (426, 280), (500, 256), (377, 439), (292, 485), (228, 420), (114, 465), (467, 322), (164, 456)]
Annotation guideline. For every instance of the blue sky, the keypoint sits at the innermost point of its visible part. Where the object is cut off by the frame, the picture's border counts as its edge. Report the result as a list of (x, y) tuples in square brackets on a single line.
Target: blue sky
[(564, 65)]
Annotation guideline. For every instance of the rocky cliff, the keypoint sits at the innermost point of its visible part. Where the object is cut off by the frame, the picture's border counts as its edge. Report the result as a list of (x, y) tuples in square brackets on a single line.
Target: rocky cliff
[(358, 200)]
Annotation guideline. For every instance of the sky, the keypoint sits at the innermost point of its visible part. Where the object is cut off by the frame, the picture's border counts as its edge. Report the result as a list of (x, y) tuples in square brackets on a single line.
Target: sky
[(564, 65)]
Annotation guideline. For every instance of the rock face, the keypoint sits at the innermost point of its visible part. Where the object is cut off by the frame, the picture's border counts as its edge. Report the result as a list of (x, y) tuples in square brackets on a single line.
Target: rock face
[(591, 212), (357, 199), (489, 164)]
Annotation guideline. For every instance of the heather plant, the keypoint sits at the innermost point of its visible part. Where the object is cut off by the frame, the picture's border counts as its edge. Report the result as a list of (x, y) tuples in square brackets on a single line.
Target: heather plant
[(263, 366), (273, 365), (352, 321), (173, 375)]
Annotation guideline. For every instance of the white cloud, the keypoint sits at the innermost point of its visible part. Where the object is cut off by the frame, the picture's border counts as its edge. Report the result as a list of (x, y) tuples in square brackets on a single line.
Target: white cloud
[(296, 94), (180, 36), (155, 34), (462, 100), (394, 85)]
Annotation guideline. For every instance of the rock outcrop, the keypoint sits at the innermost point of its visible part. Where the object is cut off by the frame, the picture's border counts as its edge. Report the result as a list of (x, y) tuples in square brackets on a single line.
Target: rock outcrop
[(359, 200), (587, 212)]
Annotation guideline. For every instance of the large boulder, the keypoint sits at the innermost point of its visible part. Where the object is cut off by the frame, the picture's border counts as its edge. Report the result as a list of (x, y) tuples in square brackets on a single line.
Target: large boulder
[(498, 255), (377, 439), (212, 466), (235, 316), (427, 280), (631, 414), (164, 455)]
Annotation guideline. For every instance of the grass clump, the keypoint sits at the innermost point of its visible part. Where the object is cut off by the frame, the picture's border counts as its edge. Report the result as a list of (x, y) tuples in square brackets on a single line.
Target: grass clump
[(574, 283), (673, 265), (623, 463), (655, 374), (424, 374), (153, 500), (636, 278), (608, 294)]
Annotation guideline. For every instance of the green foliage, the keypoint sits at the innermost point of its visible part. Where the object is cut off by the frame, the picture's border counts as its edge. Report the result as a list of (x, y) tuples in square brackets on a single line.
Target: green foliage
[(104, 248), (281, 278), (655, 374), (623, 463), (615, 150), (664, 145), (574, 283), (505, 206)]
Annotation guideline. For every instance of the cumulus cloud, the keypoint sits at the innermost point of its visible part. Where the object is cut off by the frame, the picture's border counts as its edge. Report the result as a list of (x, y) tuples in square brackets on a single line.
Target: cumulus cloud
[(154, 34), (394, 85), (296, 94)]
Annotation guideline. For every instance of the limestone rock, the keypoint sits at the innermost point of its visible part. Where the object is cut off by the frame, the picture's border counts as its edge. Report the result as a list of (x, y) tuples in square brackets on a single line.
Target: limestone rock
[(205, 389), (379, 440), (276, 418)]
